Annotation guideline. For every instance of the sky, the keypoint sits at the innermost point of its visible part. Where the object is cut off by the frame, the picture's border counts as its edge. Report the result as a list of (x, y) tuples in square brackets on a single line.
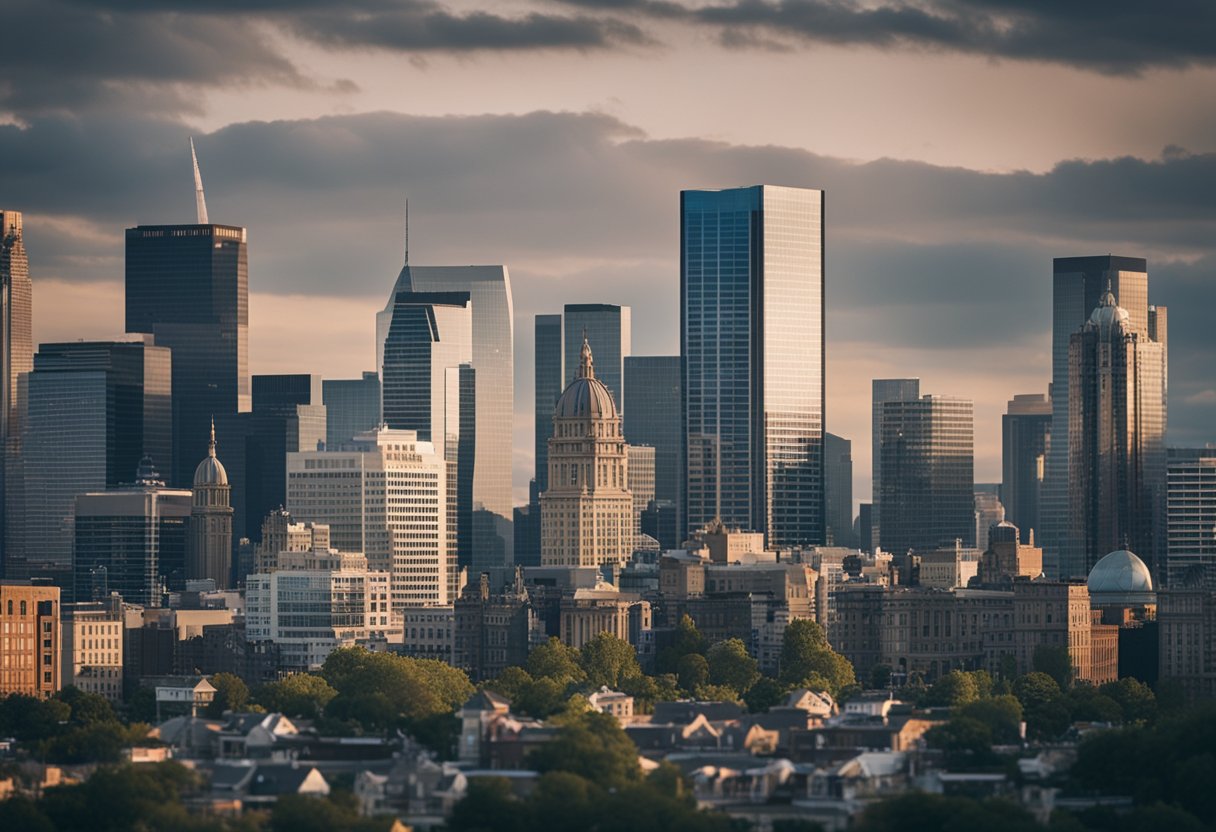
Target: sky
[(962, 144)]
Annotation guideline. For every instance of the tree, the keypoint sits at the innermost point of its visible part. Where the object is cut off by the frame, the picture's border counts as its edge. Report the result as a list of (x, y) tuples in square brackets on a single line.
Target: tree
[(763, 695), (510, 684), (1135, 699), (692, 671), (28, 718), (591, 745), (1002, 715), (1035, 689), (731, 665), (1087, 704), (607, 660), (97, 742), (687, 639), (880, 676), (1056, 662), (805, 652), (383, 690), (915, 812), (555, 660), (953, 690), (540, 698), (87, 708), (302, 695), (489, 806), (965, 740), (231, 694)]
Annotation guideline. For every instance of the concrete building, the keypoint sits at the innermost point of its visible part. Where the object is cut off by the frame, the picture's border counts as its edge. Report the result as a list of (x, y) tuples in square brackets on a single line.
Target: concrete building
[(385, 498), (352, 406), (587, 513), (1190, 516), (493, 629), (640, 481), (1186, 621), (30, 648), (92, 647), (948, 567), (429, 632), (210, 550), (1006, 559), (1025, 439), (585, 613), (730, 545), (988, 512)]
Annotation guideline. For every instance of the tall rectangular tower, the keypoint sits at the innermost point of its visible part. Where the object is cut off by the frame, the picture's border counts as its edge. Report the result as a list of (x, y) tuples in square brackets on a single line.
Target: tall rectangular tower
[(838, 487), (1190, 517), (1025, 438), (550, 381), (188, 287), (884, 390), (751, 338), (609, 331), (652, 385), (16, 358), (352, 406)]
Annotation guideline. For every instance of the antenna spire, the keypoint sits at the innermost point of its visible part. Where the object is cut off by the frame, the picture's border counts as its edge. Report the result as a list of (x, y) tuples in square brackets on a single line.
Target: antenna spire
[(200, 202), (407, 232)]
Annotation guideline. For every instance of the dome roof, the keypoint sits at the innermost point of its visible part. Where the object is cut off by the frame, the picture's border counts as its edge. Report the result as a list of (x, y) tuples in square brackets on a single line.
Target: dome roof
[(1120, 577), (586, 397), (210, 471), (1108, 313)]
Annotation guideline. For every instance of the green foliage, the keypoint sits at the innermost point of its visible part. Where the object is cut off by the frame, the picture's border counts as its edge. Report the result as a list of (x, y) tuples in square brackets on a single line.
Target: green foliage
[(917, 812), (144, 797), (954, 689), (1036, 689), (1135, 699), (692, 671), (231, 694), (489, 806), (298, 695), (1001, 714), (593, 746), (732, 666), (28, 718), (763, 695), (540, 698), (98, 742), (808, 661), (1055, 662), (25, 815), (966, 741), (1086, 704), (607, 660), (686, 641), (510, 683), (306, 813), (555, 660), (880, 676), (87, 708), (380, 691)]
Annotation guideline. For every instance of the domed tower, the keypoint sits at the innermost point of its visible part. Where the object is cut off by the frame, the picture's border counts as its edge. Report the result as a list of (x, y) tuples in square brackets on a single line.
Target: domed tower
[(586, 515), (211, 521)]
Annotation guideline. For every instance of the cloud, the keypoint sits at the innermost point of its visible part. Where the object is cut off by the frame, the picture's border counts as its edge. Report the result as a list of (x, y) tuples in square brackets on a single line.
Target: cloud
[(1115, 37)]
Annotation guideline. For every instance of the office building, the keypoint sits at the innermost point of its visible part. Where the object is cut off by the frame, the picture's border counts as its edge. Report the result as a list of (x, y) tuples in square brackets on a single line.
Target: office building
[(1007, 559), (30, 651), (352, 406), (926, 471), (386, 497), (1116, 440), (1079, 284), (493, 630), (989, 510), (838, 487), (210, 551), (95, 411), (1190, 516), (751, 335), (489, 288), (93, 635), (16, 358), (865, 527), (609, 329), (884, 390), (133, 540), (640, 481), (655, 418), (550, 380), (587, 513), (188, 287), (1025, 438)]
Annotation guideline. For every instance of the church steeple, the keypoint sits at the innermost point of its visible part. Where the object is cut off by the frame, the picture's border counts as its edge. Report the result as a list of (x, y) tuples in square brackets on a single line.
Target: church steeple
[(586, 366)]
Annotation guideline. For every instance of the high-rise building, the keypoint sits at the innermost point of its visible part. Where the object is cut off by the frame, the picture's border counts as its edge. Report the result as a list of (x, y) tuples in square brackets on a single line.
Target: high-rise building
[(1190, 516), (352, 406), (1025, 438), (1116, 440), (927, 474), (640, 481), (93, 634), (838, 488), (884, 390), (95, 411), (387, 498), (751, 335), (1078, 285), (610, 329), (655, 418), (210, 551), (489, 288), (16, 359), (989, 511), (586, 516), (30, 647), (132, 540), (550, 381)]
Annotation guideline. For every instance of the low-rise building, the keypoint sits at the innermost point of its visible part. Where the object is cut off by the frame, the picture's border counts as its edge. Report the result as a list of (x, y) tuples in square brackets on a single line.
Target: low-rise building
[(30, 648), (92, 647)]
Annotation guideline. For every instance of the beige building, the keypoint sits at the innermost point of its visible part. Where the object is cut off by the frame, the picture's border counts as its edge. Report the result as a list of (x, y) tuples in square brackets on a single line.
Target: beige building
[(949, 567), (1186, 621), (1006, 559), (209, 554), (30, 651), (729, 545), (640, 479), (587, 513), (92, 647), (586, 613)]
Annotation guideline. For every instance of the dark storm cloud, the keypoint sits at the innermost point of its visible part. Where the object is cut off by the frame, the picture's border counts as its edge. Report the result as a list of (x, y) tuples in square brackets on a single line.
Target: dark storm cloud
[(1110, 36)]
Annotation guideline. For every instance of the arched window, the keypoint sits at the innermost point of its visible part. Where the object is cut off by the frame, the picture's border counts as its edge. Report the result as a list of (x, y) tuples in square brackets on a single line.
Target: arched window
[(23, 608)]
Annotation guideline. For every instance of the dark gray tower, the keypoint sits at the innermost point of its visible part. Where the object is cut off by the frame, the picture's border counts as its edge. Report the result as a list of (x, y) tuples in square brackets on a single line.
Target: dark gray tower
[(16, 358)]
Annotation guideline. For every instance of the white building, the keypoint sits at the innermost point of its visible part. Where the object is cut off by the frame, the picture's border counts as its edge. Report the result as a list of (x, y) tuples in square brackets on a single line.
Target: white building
[(640, 479), (92, 647), (387, 498)]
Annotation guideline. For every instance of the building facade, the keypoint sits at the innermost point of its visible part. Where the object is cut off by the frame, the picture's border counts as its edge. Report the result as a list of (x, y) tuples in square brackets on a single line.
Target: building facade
[(610, 328), (92, 647), (352, 406), (210, 552), (549, 378), (1025, 438), (30, 647), (838, 486), (640, 482), (16, 358), (1190, 516), (655, 418), (884, 390), (751, 335)]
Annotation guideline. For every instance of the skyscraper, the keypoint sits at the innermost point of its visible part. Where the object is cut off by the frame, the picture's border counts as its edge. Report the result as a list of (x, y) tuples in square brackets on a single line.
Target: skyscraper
[(640, 482), (884, 390), (751, 335), (927, 474), (352, 406), (1116, 440), (586, 516), (210, 551), (1191, 517), (188, 287), (550, 381), (1025, 437), (655, 418), (95, 410), (838, 486), (132, 540), (609, 330), (16, 358), (489, 288), (1078, 285)]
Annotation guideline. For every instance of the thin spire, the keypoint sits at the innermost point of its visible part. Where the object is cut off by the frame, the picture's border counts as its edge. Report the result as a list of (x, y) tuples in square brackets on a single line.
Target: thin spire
[(586, 366), (407, 231), (211, 444), (200, 202)]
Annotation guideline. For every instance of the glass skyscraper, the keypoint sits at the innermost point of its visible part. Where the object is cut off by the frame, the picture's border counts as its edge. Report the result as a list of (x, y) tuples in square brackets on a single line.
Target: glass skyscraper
[(838, 486), (652, 384), (884, 390), (609, 331), (16, 358), (550, 381), (352, 406), (188, 286), (752, 337), (489, 288), (1025, 438)]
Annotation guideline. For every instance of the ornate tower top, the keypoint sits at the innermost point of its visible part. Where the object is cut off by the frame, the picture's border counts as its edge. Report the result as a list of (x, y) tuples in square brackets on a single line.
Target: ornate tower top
[(586, 366)]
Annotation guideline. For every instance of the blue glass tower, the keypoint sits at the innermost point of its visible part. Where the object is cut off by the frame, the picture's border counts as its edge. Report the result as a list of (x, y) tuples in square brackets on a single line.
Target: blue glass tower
[(751, 333)]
